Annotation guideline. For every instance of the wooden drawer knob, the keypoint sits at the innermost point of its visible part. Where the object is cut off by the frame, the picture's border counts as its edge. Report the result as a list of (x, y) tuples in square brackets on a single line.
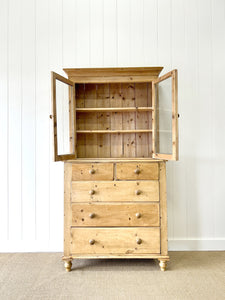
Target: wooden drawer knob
[(92, 171), (92, 215), (139, 241), (91, 242), (138, 192), (138, 215), (137, 171), (92, 192)]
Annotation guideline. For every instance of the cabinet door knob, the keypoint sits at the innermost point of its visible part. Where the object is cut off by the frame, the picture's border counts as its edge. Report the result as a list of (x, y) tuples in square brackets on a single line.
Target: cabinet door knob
[(138, 192), (92, 192), (92, 215), (91, 242), (139, 241), (137, 171), (138, 215), (92, 171)]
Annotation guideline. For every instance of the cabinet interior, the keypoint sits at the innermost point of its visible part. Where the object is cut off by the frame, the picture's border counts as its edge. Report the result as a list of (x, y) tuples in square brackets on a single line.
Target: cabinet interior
[(114, 120)]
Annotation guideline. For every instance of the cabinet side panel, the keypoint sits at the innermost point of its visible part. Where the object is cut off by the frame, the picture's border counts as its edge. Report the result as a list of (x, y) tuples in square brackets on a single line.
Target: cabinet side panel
[(67, 207), (163, 208), (149, 104)]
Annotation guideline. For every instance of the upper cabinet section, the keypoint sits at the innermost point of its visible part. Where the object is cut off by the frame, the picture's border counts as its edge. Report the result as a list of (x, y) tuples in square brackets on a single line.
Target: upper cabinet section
[(119, 113), (103, 75), (165, 117), (64, 117)]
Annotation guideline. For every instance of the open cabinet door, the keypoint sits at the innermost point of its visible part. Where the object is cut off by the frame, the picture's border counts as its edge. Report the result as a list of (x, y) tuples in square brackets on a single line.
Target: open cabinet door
[(64, 117), (165, 117)]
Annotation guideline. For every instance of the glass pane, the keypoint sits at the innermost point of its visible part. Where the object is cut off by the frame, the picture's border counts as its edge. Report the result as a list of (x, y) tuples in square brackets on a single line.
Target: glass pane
[(164, 117), (64, 118)]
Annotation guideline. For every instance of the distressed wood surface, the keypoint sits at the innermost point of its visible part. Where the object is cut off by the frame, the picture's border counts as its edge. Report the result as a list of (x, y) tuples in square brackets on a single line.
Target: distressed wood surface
[(115, 240), (127, 171), (116, 214), (115, 191), (102, 171)]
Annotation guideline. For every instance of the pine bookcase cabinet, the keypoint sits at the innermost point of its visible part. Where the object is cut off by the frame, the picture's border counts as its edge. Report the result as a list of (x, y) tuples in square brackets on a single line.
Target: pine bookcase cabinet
[(114, 129)]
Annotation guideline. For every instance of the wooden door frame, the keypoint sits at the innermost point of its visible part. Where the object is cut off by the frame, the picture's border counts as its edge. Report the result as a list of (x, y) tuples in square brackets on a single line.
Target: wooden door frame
[(174, 155), (72, 112)]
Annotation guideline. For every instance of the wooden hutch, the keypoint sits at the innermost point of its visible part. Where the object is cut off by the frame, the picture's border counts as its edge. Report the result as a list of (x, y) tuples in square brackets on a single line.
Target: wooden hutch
[(115, 128)]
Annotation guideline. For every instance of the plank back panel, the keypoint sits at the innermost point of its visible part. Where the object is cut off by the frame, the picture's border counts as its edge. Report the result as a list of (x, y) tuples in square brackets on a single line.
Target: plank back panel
[(108, 96)]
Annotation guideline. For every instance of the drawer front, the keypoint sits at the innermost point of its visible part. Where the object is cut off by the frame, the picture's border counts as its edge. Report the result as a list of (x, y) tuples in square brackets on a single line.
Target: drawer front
[(115, 191), (134, 171), (101, 171), (115, 214), (115, 240)]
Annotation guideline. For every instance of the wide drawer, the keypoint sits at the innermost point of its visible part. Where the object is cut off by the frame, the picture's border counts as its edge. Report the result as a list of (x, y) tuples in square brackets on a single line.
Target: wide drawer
[(134, 171), (115, 191), (115, 240), (129, 214), (88, 171)]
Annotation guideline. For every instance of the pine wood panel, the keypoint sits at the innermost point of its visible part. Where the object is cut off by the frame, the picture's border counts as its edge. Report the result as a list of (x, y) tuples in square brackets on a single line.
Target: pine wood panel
[(101, 171), (67, 207), (128, 100), (115, 191), (122, 214), (108, 133), (126, 171), (116, 120), (163, 208), (103, 120), (81, 138), (120, 256), (127, 71), (142, 120), (91, 148), (115, 240)]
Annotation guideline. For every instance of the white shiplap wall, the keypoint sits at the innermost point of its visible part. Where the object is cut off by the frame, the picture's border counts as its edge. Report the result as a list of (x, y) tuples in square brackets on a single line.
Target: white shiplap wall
[(37, 36)]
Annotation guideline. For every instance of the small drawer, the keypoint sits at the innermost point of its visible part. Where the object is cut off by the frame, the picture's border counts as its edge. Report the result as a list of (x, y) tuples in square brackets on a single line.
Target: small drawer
[(115, 191), (115, 240), (115, 214), (134, 171), (97, 171)]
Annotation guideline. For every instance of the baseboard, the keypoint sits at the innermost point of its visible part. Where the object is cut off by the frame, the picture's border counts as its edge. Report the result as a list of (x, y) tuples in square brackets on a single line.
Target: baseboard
[(31, 246), (57, 246), (196, 244)]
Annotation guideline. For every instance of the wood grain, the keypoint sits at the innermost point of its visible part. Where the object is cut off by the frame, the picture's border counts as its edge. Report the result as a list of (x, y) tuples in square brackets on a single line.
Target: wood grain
[(126, 171), (115, 191), (121, 214), (102, 171), (115, 240), (163, 208), (67, 207)]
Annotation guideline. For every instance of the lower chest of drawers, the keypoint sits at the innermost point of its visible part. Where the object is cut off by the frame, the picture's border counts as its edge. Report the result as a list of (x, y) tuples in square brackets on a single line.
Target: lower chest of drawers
[(115, 209)]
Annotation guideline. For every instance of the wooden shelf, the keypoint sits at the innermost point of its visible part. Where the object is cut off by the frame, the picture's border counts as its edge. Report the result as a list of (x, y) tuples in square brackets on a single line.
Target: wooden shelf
[(115, 131), (114, 109)]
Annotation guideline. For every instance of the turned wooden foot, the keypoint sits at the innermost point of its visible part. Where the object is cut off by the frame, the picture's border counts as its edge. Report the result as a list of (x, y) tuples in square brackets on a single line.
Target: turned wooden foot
[(68, 265), (162, 264)]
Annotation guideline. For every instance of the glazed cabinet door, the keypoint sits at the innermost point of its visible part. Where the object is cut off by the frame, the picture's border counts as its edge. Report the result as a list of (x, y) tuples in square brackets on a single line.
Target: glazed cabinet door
[(165, 117), (64, 117)]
